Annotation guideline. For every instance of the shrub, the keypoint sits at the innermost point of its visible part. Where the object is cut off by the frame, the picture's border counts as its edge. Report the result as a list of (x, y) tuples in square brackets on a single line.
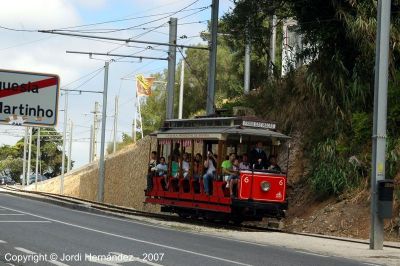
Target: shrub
[(332, 172)]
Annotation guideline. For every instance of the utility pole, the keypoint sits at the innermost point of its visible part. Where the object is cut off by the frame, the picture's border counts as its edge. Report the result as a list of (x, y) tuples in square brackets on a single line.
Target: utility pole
[(173, 22), (29, 156), (91, 145), (134, 126), (212, 71), (64, 142), (95, 128), (115, 124), (100, 193), (272, 46), (247, 65), (24, 157), (380, 113), (71, 125), (181, 88), (37, 157)]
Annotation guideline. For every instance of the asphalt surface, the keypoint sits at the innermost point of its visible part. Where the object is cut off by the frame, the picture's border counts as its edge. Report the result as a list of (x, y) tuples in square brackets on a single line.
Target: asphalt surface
[(39, 233)]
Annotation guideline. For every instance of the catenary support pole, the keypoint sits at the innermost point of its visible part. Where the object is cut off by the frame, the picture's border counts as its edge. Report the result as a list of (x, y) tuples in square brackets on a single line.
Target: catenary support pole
[(24, 157), (247, 67), (115, 124), (212, 69), (69, 165), (380, 113), (95, 129), (37, 157), (91, 145), (64, 142), (100, 193), (181, 89), (272, 49), (173, 22), (29, 156)]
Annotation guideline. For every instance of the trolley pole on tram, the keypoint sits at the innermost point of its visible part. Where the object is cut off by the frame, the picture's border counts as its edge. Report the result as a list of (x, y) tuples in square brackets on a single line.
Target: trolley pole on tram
[(380, 113)]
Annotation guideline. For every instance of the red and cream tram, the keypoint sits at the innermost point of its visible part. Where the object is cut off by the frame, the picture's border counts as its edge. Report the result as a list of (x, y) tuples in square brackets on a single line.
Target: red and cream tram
[(259, 193)]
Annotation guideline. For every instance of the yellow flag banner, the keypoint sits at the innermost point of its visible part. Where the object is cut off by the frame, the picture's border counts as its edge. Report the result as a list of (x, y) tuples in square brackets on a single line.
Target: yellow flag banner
[(143, 85)]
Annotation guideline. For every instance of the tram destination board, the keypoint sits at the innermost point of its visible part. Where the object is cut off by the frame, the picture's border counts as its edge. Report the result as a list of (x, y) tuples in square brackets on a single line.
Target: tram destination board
[(29, 99)]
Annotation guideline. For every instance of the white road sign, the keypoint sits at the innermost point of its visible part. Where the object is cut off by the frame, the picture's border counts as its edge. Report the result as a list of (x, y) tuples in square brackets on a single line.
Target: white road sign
[(28, 98)]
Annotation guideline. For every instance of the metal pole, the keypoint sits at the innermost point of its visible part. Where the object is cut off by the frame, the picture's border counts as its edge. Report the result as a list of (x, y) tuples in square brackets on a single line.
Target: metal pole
[(134, 125), (272, 49), (173, 22), (212, 69), (29, 156), (91, 145), (95, 128), (71, 125), (115, 124), (24, 157), (100, 195), (247, 67), (64, 142), (37, 157), (140, 117), (380, 112), (181, 89)]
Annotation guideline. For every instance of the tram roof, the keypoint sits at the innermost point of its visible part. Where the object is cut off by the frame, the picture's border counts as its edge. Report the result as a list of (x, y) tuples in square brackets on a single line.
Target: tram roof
[(217, 128)]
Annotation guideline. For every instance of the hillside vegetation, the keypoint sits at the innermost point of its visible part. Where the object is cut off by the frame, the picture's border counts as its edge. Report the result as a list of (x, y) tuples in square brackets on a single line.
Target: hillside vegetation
[(326, 103)]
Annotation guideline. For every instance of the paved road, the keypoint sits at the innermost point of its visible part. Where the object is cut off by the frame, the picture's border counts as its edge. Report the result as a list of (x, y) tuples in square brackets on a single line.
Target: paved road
[(35, 232)]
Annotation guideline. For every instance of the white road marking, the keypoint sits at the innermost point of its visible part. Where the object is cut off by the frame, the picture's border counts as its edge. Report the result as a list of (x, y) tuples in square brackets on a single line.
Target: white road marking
[(132, 258), (132, 239), (57, 263), (12, 214), (25, 250), (3, 242), (312, 254), (103, 262), (25, 221)]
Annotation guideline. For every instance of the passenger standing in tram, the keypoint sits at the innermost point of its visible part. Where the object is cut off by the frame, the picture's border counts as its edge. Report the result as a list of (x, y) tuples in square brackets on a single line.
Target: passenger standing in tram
[(258, 157), (209, 164), (151, 170)]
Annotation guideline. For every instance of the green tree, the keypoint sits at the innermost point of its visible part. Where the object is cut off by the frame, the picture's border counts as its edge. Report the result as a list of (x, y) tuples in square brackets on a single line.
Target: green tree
[(50, 154)]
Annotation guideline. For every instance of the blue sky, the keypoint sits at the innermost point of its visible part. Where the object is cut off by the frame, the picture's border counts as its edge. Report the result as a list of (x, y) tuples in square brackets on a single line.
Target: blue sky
[(39, 52)]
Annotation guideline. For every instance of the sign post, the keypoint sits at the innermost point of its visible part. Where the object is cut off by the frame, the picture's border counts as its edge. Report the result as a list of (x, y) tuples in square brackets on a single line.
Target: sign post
[(28, 98)]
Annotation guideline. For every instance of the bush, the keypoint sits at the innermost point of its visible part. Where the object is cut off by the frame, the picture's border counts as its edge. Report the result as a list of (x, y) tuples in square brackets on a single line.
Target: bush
[(332, 172)]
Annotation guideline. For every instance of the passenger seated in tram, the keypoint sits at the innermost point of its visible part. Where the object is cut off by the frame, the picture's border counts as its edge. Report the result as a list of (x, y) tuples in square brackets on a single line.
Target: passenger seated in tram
[(234, 177), (174, 166), (197, 168), (185, 165), (209, 164), (151, 170), (227, 166), (162, 167), (244, 164), (274, 165)]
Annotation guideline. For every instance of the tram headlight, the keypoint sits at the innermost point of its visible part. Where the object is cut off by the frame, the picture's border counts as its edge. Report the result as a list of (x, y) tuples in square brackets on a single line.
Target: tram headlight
[(265, 186)]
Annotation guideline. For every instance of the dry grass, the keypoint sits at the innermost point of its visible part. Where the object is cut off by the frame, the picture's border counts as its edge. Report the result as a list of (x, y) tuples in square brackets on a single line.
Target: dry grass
[(125, 178)]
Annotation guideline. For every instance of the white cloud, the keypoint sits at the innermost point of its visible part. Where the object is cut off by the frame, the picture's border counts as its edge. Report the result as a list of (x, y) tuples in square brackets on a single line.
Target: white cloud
[(37, 14), (91, 4)]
